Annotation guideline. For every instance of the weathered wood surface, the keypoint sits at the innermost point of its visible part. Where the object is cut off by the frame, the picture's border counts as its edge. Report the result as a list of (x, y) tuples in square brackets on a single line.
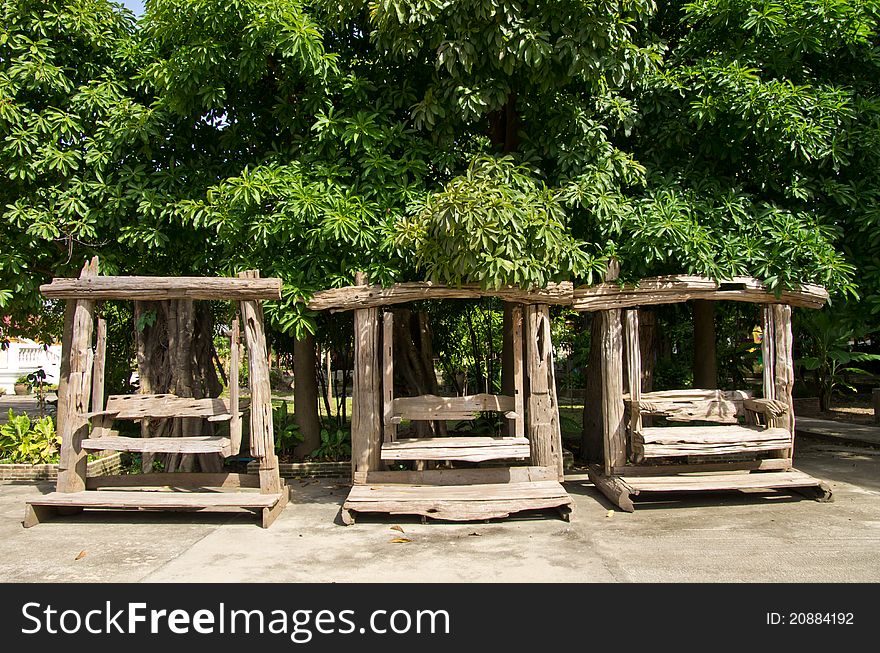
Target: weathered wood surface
[(766, 464), (271, 513), (539, 426), (189, 444), (163, 288), (613, 487), (518, 423), (783, 371), (389, 426), (655, 442), (457, 503), (433, 407), (634, 369), (137, 407), (235, 425), (471, 449), (262, 436), (74, 388), (611, 359), (175, 480), (148, 499), (674, 289), (723, 481), (470, 476), (99, 364), (363, 296), (366, 411)]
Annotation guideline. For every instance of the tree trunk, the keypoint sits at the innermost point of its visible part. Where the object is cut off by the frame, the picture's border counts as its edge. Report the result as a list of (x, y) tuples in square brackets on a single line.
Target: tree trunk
[(414, 362), (592, 436), (175, 354), (705, 367), (305, 395)]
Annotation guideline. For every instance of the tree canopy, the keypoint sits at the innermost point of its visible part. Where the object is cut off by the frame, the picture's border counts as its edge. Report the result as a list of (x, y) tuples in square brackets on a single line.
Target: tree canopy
[(490, 141)]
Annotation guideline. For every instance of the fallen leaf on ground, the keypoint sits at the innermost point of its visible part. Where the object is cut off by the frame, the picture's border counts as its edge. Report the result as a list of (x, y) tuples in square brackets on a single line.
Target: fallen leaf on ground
[(475, 534), (400, 540), (397, 528), (80, 555), (610, 513)]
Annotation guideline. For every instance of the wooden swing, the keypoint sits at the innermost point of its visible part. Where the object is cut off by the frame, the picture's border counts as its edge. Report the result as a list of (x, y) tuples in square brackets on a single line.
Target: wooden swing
[(83, 430), (455, 494), (740, 442)]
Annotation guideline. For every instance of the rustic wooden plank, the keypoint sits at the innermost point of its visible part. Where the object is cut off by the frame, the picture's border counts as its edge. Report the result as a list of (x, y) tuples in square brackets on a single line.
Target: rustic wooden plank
[(430, 407), (389, 427), (175, 479), (160, 500), (516, 335), (98, 365), (634, 369), (735, 481), (361, 296), (540, 420), (163, 288), (235, 423), (706, 411), (611, 357), (34, 515), (477, 493), (138, 407), (554, 400), (75, 388), (710, 434), (469, 476), (674, 289), (695, 394), (271, 513), (768, 356), (366, 411), (783, 372), (613, 487), (262, 437), (189, 444), (767, 464), (476, 449)]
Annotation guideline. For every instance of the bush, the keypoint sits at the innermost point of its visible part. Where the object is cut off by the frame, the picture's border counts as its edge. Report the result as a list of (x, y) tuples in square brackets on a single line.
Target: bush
[(26, 442)]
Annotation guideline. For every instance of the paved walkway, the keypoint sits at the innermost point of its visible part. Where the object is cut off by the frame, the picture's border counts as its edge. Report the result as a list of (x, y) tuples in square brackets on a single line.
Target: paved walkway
[(834, 431), (717, 537)]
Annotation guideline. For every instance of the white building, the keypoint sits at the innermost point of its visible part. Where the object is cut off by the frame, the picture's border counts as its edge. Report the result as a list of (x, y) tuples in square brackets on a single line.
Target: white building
[(24, 356)]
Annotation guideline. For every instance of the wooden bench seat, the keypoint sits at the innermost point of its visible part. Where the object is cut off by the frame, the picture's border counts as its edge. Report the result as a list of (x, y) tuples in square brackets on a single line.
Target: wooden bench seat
[(190, 444), (457, 502), (44, 508), (657, 442), (472, 449)]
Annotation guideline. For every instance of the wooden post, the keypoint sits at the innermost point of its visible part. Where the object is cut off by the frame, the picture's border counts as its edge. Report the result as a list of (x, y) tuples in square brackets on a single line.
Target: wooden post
[(783, 369), (611, 359), (390, 428), (554, 399), (768, 342), (540, 423), (366, 413), (75, 387), (516, 346), (98, 366), (262, 431), (634, 369), (235, 426)]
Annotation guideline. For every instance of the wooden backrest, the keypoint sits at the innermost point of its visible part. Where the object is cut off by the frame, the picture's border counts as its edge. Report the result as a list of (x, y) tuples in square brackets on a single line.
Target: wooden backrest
[(722, 406), (134, 407)]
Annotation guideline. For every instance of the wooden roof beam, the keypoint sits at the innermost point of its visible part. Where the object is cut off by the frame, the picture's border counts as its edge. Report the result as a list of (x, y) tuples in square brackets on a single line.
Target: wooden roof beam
[(162, 288)]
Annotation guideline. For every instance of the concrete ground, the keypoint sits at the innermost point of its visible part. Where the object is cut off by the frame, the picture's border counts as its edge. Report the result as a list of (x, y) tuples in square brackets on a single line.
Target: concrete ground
[(838, 431), (773, 537)]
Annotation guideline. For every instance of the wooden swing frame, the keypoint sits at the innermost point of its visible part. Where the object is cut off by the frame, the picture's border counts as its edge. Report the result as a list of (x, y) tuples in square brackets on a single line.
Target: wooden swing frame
[(85, 420)]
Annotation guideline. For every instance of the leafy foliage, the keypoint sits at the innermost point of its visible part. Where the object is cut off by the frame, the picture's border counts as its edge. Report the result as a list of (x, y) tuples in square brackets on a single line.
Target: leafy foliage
[(23, 441)]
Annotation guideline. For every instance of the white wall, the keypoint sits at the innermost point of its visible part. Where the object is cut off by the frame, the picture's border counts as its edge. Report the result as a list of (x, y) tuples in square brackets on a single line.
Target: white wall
[(26, 356)]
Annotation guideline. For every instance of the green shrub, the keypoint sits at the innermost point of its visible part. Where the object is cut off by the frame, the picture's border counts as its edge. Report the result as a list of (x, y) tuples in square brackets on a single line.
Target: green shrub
[(335, 446), (27, 442)]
